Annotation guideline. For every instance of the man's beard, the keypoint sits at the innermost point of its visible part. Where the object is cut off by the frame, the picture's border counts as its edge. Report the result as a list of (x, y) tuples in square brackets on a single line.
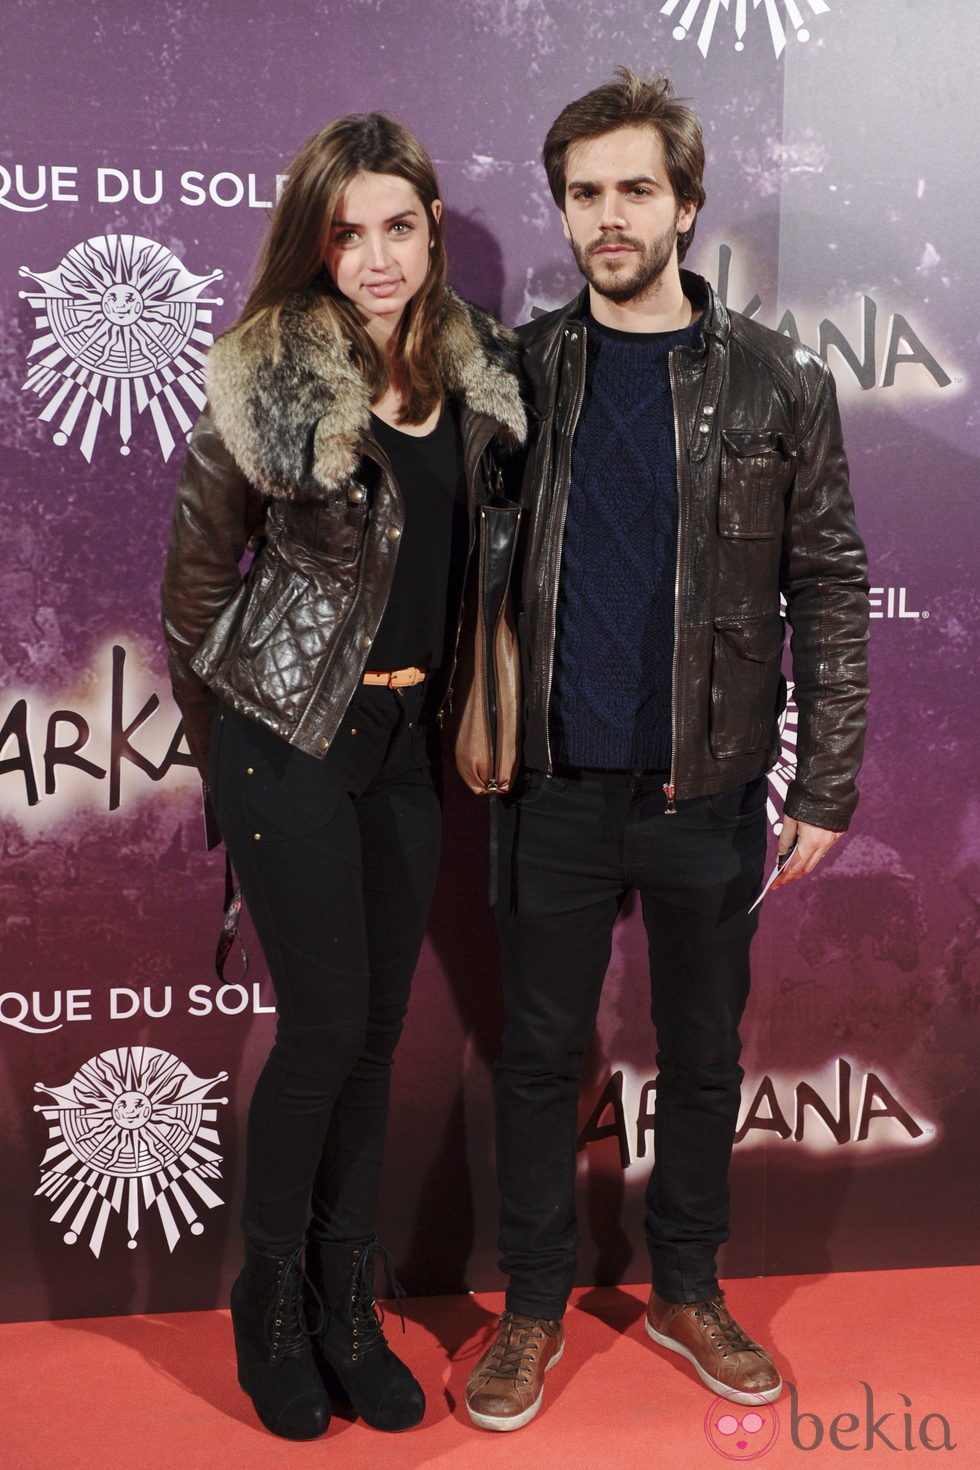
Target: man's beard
[(632, 281)]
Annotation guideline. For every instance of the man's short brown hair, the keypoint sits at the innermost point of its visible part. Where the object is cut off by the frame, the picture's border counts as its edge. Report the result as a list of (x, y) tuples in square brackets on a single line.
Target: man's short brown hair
[(624, 103)]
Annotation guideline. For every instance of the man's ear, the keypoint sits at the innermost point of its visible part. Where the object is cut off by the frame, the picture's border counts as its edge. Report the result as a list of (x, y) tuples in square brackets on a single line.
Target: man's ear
[(564, 225), (687, 213)]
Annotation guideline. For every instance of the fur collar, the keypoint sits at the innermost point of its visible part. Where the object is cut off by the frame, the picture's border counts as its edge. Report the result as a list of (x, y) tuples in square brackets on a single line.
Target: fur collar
[(294, 421)]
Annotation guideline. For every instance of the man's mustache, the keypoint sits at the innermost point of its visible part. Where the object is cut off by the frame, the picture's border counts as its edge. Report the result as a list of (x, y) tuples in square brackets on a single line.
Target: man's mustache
[(607, 240)]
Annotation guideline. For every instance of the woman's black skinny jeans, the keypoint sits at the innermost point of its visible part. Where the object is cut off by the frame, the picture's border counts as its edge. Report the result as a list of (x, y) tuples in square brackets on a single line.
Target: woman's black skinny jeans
[(337, 861)]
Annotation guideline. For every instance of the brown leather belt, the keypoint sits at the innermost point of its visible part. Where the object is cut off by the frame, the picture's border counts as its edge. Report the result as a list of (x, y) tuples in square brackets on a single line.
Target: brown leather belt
[(394, 678)]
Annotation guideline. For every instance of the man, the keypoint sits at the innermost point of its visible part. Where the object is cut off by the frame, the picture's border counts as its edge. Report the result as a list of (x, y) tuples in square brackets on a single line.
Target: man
[(687, 472)]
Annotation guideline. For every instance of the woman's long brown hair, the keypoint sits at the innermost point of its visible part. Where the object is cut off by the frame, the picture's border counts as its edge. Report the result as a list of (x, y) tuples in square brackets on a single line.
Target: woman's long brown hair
[(292, 258)]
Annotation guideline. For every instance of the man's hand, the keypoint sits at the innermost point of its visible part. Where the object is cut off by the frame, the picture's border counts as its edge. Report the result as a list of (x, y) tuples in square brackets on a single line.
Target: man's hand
[(811, 845)]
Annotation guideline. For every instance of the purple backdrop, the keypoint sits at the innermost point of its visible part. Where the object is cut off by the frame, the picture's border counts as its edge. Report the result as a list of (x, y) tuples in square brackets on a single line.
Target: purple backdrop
[(140, 154)]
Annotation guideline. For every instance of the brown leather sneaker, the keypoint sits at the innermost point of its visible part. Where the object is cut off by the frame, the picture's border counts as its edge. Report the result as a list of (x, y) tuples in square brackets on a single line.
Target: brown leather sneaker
[(506, 1386), (706, 1333)]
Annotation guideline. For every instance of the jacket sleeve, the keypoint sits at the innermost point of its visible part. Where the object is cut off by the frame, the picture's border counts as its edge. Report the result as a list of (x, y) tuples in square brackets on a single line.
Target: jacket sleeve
[(216, 511), (824, 580)]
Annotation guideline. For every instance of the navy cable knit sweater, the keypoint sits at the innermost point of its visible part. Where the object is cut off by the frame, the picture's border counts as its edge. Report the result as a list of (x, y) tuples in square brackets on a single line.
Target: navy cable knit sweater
[(610, 704)]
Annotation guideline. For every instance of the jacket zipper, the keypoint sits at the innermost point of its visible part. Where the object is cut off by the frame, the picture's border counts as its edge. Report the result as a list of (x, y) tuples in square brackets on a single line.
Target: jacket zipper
[(564, 479), (372, 450), (670, 785), (446, 705)]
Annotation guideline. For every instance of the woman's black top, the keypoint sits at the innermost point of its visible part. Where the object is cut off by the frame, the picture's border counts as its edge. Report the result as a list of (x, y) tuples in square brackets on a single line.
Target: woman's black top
[(414, 630)]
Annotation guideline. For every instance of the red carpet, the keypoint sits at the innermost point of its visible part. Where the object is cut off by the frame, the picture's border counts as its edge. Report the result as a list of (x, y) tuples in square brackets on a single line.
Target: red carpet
[(159, 1393)]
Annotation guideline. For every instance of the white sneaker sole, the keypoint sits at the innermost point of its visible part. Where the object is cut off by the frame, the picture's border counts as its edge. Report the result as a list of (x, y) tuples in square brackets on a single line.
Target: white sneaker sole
[(764, 1396), (505, 1422)]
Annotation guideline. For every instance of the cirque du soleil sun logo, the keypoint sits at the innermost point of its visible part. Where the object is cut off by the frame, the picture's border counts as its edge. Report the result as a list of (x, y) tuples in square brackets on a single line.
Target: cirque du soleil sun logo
[(738, 12)]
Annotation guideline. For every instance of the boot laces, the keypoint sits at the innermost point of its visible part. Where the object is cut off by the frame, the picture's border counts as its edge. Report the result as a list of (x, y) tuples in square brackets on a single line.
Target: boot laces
[(295, 1311), (722, 1325), (366, 1311)]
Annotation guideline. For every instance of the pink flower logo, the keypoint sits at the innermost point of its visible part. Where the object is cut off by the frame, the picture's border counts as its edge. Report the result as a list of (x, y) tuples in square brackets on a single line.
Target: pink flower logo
[(741, 1433)]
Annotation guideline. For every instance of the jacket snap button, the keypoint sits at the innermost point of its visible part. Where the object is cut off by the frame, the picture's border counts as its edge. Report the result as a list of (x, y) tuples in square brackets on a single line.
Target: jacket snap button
[(357, 494), (393, 533), (366, 641), (256, 836), (704, 428), (323, 742), (709, 409), (250, 770)]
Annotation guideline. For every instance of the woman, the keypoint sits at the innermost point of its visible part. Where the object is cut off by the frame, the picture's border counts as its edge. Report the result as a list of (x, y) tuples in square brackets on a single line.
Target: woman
[(349, 413)]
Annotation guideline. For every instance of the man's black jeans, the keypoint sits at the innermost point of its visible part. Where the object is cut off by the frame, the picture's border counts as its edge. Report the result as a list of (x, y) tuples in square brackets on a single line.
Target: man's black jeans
[(571, 846)]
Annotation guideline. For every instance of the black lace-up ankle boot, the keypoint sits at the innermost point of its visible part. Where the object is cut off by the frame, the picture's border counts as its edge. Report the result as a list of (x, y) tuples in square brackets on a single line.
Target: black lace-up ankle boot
[(351, 1349), (272, 1340)]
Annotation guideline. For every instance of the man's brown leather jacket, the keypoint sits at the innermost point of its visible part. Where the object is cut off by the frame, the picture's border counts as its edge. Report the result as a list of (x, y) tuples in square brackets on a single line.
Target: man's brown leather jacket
[(764, 512), (285, 453)]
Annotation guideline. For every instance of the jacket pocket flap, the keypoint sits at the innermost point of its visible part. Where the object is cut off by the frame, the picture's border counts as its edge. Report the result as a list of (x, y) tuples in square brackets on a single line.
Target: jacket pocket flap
[(751, 443), (759, 639)]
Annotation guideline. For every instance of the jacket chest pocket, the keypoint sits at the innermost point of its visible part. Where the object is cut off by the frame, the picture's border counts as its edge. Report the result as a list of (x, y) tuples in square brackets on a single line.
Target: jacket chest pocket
[(757, 467), (340, 525), (330, 530)]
